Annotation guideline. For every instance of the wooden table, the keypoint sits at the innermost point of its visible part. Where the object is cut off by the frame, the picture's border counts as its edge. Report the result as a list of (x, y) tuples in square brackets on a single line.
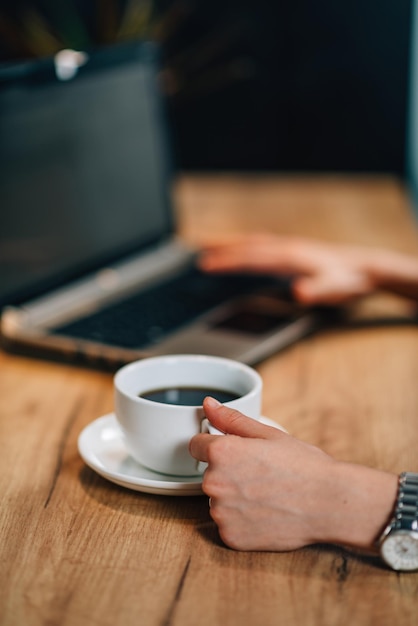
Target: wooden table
[(78, 550)]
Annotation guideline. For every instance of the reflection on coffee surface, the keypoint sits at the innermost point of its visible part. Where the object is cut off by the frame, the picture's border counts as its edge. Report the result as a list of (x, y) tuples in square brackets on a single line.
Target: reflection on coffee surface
[(188, 396)]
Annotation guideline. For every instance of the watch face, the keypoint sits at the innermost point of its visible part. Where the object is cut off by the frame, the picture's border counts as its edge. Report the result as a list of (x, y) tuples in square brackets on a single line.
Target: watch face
[(400, 550)]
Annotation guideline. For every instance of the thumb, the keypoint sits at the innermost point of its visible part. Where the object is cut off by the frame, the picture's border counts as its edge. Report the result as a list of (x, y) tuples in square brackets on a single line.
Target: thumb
[(232, 422)]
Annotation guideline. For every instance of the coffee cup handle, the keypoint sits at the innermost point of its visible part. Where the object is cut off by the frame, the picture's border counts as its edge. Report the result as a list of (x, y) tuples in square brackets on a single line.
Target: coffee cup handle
[(206, 427)]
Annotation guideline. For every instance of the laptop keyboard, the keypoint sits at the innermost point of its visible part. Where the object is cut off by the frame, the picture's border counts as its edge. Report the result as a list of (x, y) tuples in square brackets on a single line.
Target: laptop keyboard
[(144, 318)]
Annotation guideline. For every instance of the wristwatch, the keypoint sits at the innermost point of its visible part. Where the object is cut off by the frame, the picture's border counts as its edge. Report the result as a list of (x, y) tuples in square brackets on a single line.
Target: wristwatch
[(398, 544)]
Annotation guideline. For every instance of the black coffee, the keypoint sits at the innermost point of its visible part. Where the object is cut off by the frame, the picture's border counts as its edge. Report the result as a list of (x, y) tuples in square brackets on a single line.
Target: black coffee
[(188, 396)]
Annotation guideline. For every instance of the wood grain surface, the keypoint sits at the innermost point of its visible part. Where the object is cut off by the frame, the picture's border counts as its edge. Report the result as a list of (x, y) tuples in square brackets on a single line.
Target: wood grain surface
[(77, 550)]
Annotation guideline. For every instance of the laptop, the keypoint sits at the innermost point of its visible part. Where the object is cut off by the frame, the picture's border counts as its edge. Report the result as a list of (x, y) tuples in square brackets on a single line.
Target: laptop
[(412, 117), (91, 268)]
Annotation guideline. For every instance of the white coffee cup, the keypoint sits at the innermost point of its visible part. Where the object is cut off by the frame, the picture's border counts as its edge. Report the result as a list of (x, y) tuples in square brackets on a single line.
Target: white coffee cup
[(157, 434)]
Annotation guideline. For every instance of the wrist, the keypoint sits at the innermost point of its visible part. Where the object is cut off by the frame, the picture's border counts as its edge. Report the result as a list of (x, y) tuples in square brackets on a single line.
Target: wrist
[(392, 271), (361, 503)]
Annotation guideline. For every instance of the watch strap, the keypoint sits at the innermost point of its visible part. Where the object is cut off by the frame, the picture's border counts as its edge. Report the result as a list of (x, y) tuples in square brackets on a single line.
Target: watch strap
[(398, 543), (405, 515)]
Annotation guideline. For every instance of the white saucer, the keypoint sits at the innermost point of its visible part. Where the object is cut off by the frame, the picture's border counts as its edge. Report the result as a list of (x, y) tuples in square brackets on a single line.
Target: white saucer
[(102, 448)]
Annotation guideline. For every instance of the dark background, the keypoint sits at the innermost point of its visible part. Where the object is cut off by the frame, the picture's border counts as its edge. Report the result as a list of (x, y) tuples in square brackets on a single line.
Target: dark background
[(289, 85)]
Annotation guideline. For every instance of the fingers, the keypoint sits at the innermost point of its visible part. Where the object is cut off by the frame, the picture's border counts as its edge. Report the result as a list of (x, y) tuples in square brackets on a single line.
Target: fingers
[(236, 259), (322, 274), (231, 422), (258, 253), (199, 446)]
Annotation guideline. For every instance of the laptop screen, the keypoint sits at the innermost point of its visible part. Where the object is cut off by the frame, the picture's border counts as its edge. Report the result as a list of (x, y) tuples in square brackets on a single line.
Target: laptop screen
[(412, 125), (83, 168)]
